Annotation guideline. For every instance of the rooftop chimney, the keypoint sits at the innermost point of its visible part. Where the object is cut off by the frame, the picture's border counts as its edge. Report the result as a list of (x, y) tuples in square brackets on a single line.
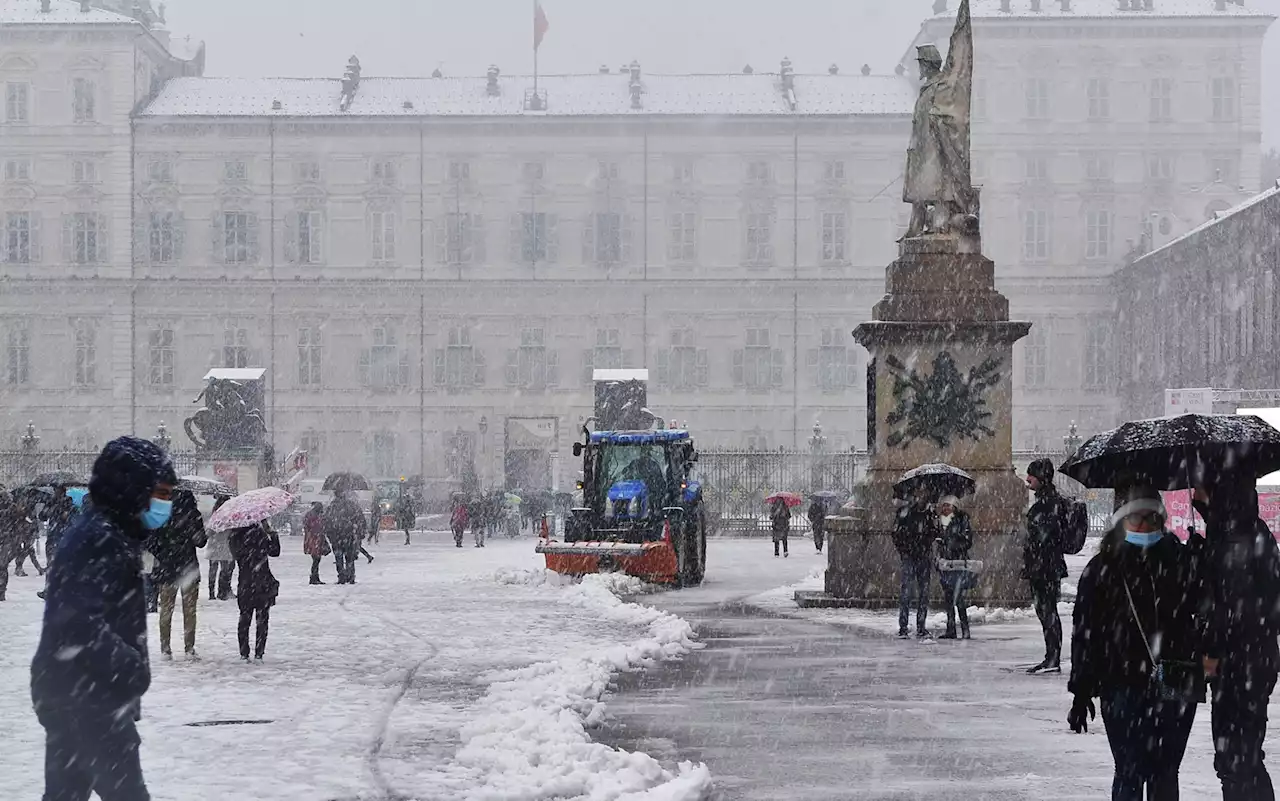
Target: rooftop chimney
[(604, 69), (160, 12), (44, 6), (350, 83), (939, 6), (436, 73), (636, 87), (747, 70), (276, 105), (634, 69), (899, 70), (1004, 6), (84, 6), (834, 69), (1066, 5), (492, 87), (788, 83), (866, 70), (1035, 5), (408, 105)]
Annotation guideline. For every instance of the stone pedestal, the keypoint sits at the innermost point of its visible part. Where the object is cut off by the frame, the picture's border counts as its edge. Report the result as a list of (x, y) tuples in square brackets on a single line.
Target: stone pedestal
[(939, 390)]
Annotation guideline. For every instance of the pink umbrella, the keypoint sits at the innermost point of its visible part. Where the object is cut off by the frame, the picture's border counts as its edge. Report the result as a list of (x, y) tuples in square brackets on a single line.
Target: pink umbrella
[(249, 508)]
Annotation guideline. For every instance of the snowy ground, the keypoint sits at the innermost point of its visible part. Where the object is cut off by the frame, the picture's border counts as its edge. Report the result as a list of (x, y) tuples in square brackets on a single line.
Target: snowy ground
[(443, 674)]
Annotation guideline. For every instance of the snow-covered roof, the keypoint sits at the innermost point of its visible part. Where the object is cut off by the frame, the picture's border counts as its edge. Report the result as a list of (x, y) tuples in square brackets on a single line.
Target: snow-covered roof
[(1218, 217), (1108, 9), (61, 12), (566, 95)]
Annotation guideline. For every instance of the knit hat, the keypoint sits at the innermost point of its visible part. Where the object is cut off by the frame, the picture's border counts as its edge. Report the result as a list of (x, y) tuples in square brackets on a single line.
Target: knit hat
[(951, 499), (1042, 470), (1138, 497)]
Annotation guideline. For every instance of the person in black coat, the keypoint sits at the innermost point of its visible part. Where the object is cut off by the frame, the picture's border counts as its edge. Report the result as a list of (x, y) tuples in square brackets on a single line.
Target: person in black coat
[(344, 526), (56, 515), (818, 521), (914, 531), (90, 668), (780, 516), (953, 546), (10, 534), (1135, 644), (177, 570), (256, 593), (1242, 563), (1043, 564)]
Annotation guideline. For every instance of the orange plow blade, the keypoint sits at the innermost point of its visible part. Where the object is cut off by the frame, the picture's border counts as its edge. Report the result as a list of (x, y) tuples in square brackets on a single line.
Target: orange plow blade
[(650, 561)]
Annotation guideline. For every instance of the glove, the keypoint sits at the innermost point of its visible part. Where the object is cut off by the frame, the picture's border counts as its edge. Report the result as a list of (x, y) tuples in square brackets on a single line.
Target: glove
[(1082, 711)]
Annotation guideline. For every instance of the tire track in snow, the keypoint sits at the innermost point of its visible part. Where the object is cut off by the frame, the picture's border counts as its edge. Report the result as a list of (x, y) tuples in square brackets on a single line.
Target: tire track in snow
[(375, 749)]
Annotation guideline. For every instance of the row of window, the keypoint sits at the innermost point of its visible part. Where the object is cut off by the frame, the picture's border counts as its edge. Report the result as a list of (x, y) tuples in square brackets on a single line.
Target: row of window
[(1100, 168), (1099, 373), (18, 101), (1101, 102), (460, 240)]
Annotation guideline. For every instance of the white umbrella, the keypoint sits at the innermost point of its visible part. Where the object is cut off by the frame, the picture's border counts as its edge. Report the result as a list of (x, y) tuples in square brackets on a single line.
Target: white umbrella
[(250, 508)]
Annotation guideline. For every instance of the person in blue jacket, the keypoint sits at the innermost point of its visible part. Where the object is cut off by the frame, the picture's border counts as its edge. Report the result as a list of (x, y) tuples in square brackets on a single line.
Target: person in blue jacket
[(91, 668)]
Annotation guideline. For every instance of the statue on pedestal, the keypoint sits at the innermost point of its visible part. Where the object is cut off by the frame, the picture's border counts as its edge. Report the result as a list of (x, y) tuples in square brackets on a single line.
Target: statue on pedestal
[(231, 417), (937, 182)]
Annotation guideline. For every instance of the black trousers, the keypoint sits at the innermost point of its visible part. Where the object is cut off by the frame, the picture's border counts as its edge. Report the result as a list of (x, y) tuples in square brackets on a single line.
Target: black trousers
[(315, 569), (779, 538), (344, 555), (263, 613), (87, 754), (220, 578), (1148, 738), (1240, 696), (1044, 595)]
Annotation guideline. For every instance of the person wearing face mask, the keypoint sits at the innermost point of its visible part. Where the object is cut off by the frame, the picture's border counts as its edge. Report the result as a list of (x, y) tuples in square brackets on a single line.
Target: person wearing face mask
[(953, 547), (1135, 645), (91, 668), (1241, 654)]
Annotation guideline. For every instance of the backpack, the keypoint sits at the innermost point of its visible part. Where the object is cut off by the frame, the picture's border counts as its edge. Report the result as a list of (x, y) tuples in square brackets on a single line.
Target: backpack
[(1074, 521)]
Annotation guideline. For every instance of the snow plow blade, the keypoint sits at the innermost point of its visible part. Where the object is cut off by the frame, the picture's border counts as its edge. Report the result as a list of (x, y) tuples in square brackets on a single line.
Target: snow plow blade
[(650, 561)]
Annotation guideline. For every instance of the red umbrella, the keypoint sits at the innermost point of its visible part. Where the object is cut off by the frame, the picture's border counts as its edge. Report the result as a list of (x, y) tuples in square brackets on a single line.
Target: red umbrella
[(791, 499)]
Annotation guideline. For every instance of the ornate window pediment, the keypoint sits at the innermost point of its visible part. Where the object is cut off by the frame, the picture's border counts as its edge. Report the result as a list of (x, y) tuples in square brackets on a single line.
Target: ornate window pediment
[(87, 63), (18, 63)]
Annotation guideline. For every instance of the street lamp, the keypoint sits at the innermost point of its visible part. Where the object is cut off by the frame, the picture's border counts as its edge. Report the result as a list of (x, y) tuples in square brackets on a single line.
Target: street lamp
[(1071, 440), (162, 437), (30, 440)]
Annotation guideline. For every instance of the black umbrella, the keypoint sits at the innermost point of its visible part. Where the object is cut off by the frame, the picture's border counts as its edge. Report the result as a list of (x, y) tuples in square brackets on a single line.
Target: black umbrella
[(59, 478), (1177, 452), (939, 479), (346, 482), (199, 485)]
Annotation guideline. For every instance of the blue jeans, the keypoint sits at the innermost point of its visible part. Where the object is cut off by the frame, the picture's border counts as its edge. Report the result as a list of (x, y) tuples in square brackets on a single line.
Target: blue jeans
[(1148, 738), (954, 593), (915, 572), (92, 753)]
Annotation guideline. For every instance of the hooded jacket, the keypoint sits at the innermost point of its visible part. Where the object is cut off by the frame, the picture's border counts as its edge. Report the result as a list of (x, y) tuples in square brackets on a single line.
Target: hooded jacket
[(92, 655), (1242, 566), (174, 544), (1042, 558)]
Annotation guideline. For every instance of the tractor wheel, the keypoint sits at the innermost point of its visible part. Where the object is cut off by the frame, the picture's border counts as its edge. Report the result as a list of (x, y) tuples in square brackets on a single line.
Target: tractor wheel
[(700, 537), (691, 553), (684, 555)]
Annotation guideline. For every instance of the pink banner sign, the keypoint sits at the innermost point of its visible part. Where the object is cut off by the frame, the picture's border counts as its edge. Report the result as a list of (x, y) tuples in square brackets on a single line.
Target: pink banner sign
[(1178, 505)]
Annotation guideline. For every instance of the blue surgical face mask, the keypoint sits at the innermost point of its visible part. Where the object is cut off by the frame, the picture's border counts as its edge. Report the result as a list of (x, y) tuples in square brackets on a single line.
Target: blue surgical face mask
[(1142, 539), (157, 514), (77, 496)]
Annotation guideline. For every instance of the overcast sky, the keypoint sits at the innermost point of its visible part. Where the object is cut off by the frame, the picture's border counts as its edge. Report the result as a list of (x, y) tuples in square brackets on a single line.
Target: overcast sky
[(307, 38)]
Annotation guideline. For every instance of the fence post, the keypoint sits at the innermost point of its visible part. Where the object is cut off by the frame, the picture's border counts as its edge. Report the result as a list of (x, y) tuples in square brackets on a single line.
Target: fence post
[(30, 451), (163, 440)]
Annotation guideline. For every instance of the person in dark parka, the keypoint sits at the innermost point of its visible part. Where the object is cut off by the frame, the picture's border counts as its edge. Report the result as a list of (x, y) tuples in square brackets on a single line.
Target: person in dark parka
[(818, 521), (1117, 644), (954, 542), (57, 515), (344, 526), (1242, 657), (10, 533), (256, 593), (1043, 565), (780, 516), (406, 515), (90, 668), (177, 570), (914, 530)]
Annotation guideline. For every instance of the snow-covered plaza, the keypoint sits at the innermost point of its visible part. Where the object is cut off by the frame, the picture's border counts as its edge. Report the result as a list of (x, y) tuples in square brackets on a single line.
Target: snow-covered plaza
[(473, 674)]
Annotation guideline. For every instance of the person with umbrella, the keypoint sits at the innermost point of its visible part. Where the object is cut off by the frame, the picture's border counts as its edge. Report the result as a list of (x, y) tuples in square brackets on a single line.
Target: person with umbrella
[(253, 546), (1043, 564), (90, 669), (314, 543), (9, 534), (344, 526), (780, 517), (817, 520), (953, 549), (57, 514), (914, 532), (1135, 645), (458, 520), (27, 528), (221, 565), (177, 570)]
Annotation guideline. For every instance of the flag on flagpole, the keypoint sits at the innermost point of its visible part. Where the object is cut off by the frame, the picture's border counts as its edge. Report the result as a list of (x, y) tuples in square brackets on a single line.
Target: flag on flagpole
[(540, 25)]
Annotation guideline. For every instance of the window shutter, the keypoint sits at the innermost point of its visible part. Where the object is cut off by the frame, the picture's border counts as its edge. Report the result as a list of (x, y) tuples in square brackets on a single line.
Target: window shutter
[(101, 255), (68, 239), (403, 378), (442, 240), (317, 237), (37, 239), (739, 358), (511, 374), (553, 368), (365, 378), (480, 368), (218, 238), (553, 238), (479, 251), (291, 237), (179, 236), (625, 221), (253, 239), (515, 244), (438, 368), (589, 240), (142, 223), (664, 367), (779, 367), (704, 368)]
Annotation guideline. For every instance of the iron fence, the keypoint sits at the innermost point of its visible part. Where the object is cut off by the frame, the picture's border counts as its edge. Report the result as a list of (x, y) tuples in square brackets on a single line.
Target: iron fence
[(18, 467), (736, 483)]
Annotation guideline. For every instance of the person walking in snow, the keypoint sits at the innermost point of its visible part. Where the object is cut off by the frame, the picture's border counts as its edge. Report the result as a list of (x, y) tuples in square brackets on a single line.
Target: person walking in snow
[(458, 522), (314, 543), (406, 515), (953, 547), (780, 517), (9, 534), (1135, 645), (1043, 564), (177, 570), (90, 669), (914, 532), (221, 565), (256, 592), (818, 521), (28, 531), (57, 515), (344, 526)]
